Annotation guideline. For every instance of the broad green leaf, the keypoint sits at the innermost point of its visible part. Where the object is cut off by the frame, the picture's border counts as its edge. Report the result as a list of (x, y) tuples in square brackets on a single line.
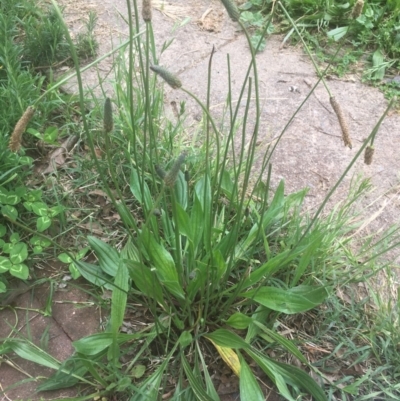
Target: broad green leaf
[(96, 343), (138, 371), (185, 339), (219, 264), (3, 230), (180, 190), (56, 210), (40, 208), (43, 223), (119, 297), (10, 212), (197, 217), (304, 261), (33, 195), (31, 352), (249, 388), (291, 375), (290, 301), (183, 222), (338, 33), (226, 183), (136, 189), (18, 253), (5, 264), (145, 280), (164, 264), (75, 273), (92, 273), (107, 255), (20, 270), (63, 257), (118, 305), (3, 288), (11, 199), (195, 383), (239, 321), (378, 63), (273, 265), (225, 338), (203, 193)]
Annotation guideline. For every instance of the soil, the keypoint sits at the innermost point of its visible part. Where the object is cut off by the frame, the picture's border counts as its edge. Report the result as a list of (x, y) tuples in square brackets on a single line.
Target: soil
[(311, 153)]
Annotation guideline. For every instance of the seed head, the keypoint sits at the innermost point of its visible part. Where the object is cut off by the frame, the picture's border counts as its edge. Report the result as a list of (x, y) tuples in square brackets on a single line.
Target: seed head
[(369, 154), (172, 174), (108, 117), (357, 9), (160, 171), (16, 136), (169, 78), (342, 121), (231, 9), (146, 10)]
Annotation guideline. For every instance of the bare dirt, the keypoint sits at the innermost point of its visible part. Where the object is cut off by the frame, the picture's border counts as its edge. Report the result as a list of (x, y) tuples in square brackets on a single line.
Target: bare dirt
[(310, 155)]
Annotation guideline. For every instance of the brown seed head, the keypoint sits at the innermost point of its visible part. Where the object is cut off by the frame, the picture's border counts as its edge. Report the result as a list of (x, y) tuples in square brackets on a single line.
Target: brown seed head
[(16, 136), (342, 121), (369, 154), (169, 78), (146, 10), (357, 9), (231, 9), (108, 122), (172, 174)]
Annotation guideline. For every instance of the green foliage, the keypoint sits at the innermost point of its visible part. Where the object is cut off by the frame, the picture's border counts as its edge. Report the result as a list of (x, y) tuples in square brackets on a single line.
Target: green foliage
[(216, 256), (14, 250)]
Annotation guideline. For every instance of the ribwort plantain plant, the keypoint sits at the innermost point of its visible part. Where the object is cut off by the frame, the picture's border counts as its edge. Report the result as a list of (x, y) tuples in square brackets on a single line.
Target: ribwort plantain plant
[(212, 257)]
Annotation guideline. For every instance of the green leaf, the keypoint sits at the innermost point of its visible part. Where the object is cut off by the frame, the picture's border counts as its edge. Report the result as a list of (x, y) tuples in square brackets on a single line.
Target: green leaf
[(338, 33), (92, 273), (225, 338), (291, 375), (21, 271), (195, 382), (119, 297), (135, 186), (290, 301), (180, 189), (379, 65), (145, 280), (3, 230), (183, 222), (43, 223), (239, 321), (75, 273), (164, 264), (56, 210), (39, 208), (96, 343), (14, 238), (107, 255), (31, 352), (138, 371), (10, 212), (249, 388), (196, 221), (10, 199), (271, 336), (5, 264), (185, 339), (63, 257), (19, 253), (3, 289)]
